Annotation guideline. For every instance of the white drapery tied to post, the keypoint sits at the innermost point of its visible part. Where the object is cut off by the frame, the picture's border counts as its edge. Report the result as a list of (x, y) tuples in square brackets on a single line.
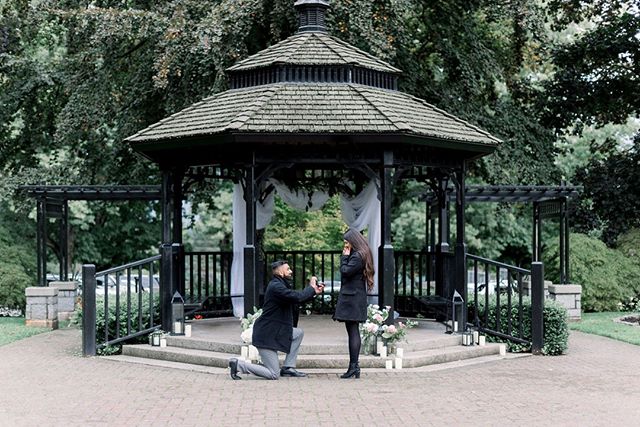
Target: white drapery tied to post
[(358, 212)]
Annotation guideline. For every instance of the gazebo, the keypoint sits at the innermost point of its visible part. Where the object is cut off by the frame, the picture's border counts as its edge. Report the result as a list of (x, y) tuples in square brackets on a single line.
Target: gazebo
[(314, 103)]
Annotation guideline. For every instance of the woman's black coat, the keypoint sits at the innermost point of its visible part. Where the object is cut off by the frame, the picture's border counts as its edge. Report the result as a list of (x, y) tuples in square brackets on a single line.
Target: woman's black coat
[(273, 330), (352, 300)]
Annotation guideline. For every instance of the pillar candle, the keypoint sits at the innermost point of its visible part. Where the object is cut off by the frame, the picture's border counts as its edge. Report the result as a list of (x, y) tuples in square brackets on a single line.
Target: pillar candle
[(398, 363), (388, 364), (400, 352), (455, 326), (379, 346), (187, 330), (163, 342), (177, 327), (476, 334), (503, 349), (482, 340), (253, 353), (244, 352), (383, 351)]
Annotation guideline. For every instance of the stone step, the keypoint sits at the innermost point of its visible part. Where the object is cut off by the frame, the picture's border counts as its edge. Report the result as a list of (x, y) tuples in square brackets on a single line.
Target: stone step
[(314, 371), (315, 361), (195, 343)]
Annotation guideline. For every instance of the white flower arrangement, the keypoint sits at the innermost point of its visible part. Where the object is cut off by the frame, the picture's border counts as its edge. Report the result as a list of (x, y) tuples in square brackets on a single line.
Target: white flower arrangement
[(246, 323)]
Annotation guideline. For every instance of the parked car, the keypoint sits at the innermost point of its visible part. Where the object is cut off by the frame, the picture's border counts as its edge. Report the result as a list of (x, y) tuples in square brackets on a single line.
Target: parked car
[(133, 285)]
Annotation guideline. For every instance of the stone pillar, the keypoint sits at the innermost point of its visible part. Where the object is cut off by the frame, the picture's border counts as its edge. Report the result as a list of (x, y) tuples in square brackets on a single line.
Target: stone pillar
[(67, 293), (569, 296), (42, 307), (526, 288)]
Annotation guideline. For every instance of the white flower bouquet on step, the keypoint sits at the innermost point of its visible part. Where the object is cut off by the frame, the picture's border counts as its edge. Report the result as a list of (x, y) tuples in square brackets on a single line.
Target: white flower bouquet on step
[(246, 323)]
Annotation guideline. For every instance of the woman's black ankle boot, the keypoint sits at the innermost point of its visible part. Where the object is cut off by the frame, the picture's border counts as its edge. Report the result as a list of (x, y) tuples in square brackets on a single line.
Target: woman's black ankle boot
[(353, 372)]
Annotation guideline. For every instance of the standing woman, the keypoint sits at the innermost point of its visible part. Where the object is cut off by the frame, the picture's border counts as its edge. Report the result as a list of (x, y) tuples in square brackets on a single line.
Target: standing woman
[(356, 270)]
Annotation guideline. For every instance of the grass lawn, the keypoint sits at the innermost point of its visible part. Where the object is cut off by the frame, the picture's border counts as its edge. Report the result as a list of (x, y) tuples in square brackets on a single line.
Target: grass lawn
[(13, 329), (603, 324)]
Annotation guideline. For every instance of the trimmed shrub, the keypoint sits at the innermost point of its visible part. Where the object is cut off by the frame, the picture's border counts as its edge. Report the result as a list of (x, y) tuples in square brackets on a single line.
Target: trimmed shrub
[(607, 276), (122, 325), (17, 268), (556, 330)]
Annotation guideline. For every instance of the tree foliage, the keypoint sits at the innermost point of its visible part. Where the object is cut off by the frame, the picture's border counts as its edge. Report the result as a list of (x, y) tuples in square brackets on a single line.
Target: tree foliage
[(608, 278), (77, 77)]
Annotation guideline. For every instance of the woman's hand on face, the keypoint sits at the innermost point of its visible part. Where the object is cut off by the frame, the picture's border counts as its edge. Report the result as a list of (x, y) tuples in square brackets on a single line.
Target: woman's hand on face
[(347, 249)]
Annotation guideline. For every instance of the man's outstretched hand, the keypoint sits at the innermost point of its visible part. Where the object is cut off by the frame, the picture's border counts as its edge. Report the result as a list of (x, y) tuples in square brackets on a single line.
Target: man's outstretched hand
[(317, 286)]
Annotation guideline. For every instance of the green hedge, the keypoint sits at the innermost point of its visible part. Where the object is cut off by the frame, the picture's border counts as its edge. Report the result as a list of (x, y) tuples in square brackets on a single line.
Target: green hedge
[(17, 269), (556, 331), (122, 326), (608, 276)]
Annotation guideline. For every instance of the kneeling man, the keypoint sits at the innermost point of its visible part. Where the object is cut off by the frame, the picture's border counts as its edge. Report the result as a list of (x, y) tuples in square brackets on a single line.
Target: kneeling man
[(273, 331)]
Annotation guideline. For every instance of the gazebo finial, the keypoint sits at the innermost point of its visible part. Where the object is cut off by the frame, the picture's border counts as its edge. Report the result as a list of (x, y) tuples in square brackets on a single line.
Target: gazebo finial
[(311, 15)]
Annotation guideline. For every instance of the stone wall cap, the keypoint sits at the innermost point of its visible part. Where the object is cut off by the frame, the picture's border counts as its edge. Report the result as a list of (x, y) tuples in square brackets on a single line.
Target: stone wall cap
[(565, 289), (40, 291), (64, 286), (527, 284)]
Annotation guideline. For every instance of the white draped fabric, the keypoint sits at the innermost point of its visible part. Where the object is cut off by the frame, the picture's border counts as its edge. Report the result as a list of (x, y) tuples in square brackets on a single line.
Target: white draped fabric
[(363, 211), (359, 212)]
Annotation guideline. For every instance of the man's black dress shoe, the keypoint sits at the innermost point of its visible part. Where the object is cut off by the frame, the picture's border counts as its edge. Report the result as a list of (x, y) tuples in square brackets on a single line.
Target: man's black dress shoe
[(233, 369), (291, 372)]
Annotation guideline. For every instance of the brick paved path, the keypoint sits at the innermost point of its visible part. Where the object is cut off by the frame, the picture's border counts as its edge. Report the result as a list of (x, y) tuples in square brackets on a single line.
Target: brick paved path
[(44, 381)]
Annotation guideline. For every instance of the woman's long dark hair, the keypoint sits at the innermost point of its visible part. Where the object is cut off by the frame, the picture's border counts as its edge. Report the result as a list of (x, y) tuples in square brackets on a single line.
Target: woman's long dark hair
[(360, 245)]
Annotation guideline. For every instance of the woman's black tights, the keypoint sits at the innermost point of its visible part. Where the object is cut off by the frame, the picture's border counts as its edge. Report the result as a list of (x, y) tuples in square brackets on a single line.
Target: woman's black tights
[(353, 331)]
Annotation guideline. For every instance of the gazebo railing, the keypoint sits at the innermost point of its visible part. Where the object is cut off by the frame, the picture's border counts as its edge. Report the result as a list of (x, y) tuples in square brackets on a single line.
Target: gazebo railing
[(415, 277), (207, 280), (496, 292), (128, 293), (119, 304), (208, 276)]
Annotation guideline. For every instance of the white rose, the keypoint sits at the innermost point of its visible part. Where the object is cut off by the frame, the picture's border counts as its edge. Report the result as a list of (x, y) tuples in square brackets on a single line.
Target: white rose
[(246, 335)]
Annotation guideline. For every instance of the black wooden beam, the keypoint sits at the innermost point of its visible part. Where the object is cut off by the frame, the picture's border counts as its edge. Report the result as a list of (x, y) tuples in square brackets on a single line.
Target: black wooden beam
[(60, 193)]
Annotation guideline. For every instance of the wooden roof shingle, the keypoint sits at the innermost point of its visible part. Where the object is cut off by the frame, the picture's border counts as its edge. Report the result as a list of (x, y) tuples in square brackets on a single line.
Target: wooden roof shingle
[(313, 48), (313, 108)]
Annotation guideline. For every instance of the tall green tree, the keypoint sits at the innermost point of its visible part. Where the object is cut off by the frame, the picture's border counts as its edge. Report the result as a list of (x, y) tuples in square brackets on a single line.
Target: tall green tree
[(596, 84)]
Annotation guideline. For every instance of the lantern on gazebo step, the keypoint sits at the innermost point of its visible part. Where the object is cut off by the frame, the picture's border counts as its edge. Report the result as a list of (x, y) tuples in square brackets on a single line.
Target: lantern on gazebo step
[(457, 304), (177, 314), (467, 338)]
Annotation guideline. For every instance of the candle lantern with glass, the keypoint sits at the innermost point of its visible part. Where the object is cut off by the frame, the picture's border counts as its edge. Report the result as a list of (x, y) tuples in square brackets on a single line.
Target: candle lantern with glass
[(177, 314), (457, 305)]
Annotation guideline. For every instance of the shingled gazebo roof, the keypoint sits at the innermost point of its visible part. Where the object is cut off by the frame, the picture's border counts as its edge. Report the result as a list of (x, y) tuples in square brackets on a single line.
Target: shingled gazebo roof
[(313, 48), (311, 87)]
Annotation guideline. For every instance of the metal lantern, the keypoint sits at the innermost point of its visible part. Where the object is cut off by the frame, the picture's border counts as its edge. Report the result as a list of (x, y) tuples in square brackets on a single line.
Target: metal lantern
[(457, 304), (154, 338), (467, 338), (177, 314)]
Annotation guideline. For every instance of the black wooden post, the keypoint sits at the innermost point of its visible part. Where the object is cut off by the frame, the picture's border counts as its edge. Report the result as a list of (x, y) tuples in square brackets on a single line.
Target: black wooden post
[(166, 281), (537, 307), (250, 257), (537, 232), (89, 310), (64, 244), (177, 196), (386, 262), (567, 271), (427, 225), (40, 244), (461, 248), (166, 205), (442, 247), (166, 251)]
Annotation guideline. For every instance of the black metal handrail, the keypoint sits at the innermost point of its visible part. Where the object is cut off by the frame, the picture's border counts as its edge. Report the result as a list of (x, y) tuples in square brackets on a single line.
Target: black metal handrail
[(506, 281), (135, 288), (207, 277)]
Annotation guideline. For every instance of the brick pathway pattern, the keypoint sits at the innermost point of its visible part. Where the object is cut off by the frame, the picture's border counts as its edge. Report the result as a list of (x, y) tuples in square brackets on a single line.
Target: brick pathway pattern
[(44, 380)]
